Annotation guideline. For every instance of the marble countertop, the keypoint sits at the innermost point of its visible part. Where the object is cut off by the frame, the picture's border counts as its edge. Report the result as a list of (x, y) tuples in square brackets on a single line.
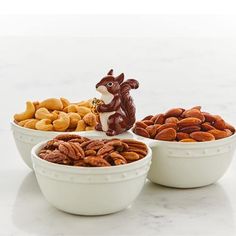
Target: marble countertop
[(173, 71)]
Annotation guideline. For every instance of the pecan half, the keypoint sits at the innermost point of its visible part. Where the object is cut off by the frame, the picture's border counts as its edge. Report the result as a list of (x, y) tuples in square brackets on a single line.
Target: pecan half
[(130, 156), (86, 143), (52, 144), (118, 145), (80, 163), (96, 161), (95, 145), (56, 156), (90, 153), (105, 149), (72, 150), (67, 137), (141, 152), (79, 140), (118, 158), (134, 144)]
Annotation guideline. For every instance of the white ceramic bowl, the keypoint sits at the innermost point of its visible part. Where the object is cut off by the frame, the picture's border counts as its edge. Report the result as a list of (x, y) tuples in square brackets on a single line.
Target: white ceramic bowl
[(26, 138), (189, 165), (90, 190)]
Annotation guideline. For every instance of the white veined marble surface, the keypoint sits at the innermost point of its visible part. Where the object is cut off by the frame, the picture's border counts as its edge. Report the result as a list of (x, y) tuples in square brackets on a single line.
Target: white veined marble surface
[(173, 70)]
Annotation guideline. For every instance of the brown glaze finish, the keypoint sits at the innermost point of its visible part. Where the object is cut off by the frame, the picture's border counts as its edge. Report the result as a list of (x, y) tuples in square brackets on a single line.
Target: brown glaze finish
[(117, 114)]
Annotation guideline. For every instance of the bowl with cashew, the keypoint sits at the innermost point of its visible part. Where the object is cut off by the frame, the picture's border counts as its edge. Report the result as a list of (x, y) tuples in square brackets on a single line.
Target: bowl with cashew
[(90, 174), (48, 118)]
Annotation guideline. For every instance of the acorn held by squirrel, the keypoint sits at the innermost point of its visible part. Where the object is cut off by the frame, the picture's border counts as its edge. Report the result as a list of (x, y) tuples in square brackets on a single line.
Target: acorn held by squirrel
[(117, 113)]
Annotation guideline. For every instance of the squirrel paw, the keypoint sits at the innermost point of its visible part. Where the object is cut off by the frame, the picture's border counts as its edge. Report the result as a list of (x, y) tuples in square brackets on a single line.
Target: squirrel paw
[(99, 127), (111, 132)]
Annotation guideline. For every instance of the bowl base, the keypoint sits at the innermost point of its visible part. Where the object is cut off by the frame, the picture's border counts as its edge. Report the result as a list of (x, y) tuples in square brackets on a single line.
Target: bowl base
[(92, 213), (179, 186)]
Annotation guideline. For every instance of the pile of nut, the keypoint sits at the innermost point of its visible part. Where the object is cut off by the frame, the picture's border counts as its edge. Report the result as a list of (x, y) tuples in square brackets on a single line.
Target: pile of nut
[(182, 125), (58, 115), (74, 150)]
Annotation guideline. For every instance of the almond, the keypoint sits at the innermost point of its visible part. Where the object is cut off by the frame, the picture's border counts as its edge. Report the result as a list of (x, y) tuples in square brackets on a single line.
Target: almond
[(168, 134), (230, 127), (152, 130), (171, 120), (229, 132), (140, 124), (165, 126), (207, 126), (219, 123), (197, 107), (147, 118), (141, 132), (181, 135), (189, 125), (188, 140), (190, 129), (176, 112), (159, 119), (194, 113), (190, 121), (202, 136), (218, 134), (208, 117), (148, 122), (154, 118)]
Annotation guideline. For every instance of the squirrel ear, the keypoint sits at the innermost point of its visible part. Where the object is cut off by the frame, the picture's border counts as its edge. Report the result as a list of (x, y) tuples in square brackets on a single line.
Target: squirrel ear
[(110, 72), (120, 78)]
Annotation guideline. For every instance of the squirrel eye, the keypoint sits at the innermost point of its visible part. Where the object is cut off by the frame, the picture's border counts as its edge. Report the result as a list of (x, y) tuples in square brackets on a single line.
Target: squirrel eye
[(109, 84)]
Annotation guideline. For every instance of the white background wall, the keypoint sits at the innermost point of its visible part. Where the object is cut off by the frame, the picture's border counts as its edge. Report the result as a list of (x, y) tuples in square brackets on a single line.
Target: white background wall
[(180, 60)]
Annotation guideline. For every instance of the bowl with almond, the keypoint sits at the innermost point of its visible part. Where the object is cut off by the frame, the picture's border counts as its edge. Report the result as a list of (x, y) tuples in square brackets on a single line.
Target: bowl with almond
[(91, 175), (46, 119), (191, 148)]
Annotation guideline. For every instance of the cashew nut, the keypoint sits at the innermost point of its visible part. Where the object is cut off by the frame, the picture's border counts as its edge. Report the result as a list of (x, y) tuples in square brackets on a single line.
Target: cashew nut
[(36, 105), (80, 126), (52, 104), (23, 122), (31, 123), (90, 119), (88, 128), (65, 102), (71, 108), (62, 123), (83, 110), (43, 113), (27, 114), (44, 124), (74, 118), (87, 103)]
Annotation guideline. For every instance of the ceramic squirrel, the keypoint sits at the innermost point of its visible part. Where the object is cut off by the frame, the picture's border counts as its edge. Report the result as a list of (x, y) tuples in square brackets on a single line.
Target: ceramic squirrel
[(117, 113)]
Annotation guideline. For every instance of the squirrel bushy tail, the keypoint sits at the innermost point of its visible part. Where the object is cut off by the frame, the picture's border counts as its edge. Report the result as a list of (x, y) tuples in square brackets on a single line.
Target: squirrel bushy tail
[(127, 103)]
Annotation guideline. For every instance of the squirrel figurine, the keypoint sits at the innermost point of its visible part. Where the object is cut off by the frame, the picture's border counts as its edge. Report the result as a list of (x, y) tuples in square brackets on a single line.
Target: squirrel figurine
[(117, 113)]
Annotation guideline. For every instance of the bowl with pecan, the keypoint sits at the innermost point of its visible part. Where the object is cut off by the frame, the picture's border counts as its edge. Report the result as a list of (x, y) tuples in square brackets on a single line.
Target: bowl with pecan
[(48, 118), (190, 148), (91, 176)]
